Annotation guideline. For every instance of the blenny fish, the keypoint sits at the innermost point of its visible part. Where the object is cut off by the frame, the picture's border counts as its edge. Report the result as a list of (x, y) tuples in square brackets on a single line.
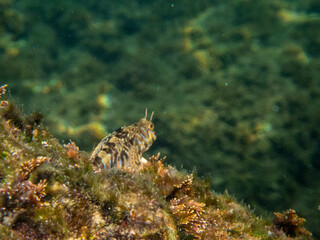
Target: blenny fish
[(124, 147)]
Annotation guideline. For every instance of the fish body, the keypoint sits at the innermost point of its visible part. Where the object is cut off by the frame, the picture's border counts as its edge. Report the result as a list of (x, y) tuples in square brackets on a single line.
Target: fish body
[(124, 147)]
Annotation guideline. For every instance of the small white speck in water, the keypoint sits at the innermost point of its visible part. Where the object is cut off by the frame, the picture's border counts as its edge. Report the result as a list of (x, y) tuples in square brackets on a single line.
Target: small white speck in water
[(275, 108)]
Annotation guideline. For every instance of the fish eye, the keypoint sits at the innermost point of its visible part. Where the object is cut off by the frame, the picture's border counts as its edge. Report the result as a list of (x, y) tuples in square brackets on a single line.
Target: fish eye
[(151, 126)]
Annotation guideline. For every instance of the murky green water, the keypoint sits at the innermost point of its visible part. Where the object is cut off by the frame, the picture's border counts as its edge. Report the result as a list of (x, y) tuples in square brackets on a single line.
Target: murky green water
[(234, 85)]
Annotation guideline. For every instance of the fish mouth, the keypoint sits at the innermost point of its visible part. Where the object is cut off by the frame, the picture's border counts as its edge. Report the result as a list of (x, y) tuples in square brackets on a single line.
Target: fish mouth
[(152, 136)]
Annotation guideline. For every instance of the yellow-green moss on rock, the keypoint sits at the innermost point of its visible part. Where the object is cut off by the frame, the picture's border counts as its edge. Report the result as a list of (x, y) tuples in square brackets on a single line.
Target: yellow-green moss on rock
[(50, 191)]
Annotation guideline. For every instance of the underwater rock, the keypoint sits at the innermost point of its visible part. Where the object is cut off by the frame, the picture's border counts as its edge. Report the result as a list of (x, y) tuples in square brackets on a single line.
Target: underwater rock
[(51, 191)]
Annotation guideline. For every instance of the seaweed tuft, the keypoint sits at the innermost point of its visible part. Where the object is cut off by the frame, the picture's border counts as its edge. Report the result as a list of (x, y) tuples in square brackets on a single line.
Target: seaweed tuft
[(290, 224)]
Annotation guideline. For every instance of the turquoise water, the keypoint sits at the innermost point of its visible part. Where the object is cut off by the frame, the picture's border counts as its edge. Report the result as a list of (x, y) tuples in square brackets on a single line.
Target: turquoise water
[(234, 85)]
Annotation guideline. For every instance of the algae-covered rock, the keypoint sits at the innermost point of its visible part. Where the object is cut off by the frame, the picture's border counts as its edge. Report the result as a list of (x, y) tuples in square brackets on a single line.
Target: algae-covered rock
[(50, 191)]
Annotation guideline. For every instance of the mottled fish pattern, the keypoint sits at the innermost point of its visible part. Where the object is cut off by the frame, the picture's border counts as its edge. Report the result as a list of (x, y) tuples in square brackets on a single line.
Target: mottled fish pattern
[(124, 147)]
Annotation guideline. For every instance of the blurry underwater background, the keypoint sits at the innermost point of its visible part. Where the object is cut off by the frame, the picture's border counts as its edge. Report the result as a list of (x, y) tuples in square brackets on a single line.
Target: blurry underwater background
[(235, 85)]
